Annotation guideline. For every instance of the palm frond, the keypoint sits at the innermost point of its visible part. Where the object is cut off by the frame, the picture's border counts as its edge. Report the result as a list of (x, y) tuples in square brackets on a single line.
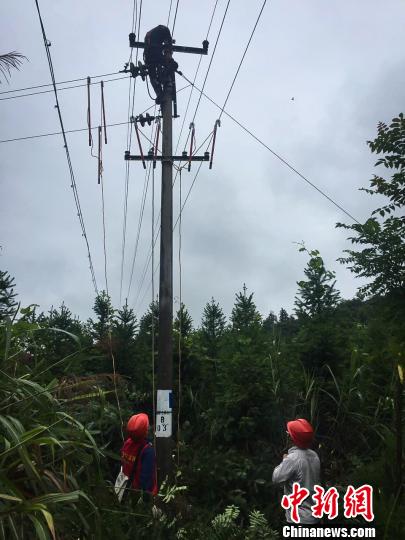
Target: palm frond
[(9, 61)]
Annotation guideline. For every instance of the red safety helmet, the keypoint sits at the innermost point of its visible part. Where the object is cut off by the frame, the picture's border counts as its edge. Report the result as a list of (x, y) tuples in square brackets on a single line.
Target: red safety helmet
[(301, 432), (138, 426)]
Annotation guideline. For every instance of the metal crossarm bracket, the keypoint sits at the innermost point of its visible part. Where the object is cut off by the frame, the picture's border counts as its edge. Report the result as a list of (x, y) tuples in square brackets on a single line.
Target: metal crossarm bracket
[(151, 157), (174, 48)]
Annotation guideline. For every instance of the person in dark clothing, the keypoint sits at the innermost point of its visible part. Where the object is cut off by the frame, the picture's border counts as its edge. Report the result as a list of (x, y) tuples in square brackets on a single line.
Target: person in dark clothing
[(158, 58), (137, 447)]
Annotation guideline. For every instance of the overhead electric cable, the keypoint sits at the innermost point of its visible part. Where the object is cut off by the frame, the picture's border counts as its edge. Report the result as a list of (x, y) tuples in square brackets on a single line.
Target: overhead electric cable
[(52, 133), (175, 17), (273, 152), (146, 266), (243, 57), (40, 135), (64, 88), (195, 77), (136, 20), (141, 213), (58, 83), (170, 11), (206, 75), (71, 171), (212, 57)]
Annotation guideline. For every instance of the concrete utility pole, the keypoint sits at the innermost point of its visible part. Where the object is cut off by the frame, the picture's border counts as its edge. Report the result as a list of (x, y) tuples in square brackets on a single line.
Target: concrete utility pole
[(164, 395), (164, 445)]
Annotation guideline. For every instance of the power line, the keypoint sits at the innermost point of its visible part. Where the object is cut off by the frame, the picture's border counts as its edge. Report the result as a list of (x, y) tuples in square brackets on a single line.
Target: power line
[(170, 11), (71, 171), (189, 99), (243, 57), (212, 57), (273, 152), (142, 209), (175, 16), (51, 134), (195, 77), (126, 179), (146, 266), (58, 83), (199, 100), (65, 88), (40, 135)]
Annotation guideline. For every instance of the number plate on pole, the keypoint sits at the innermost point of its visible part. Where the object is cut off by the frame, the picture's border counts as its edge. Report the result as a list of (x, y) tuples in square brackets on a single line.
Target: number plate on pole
[(164, 413)]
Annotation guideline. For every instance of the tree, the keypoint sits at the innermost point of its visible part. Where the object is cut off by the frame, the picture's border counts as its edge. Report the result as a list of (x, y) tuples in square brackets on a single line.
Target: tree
[(283, 316), (382, 257), (101, 327), (124, 333), (317, 339), (148, 324), (270, 322), (212, 327), (7, 295), (183, 322), (245, 318), (318, 293), (59, 344)]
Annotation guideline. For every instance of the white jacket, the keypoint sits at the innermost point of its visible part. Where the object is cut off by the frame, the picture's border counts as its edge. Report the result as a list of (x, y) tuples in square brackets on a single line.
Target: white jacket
[(302, 466)]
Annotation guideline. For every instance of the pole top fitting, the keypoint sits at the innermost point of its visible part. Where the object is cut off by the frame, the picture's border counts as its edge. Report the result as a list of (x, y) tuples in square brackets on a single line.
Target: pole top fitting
[(132, 39)]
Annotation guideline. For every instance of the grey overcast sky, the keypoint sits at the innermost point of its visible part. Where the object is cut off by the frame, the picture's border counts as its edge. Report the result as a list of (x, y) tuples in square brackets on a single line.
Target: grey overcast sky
[(341, 61)]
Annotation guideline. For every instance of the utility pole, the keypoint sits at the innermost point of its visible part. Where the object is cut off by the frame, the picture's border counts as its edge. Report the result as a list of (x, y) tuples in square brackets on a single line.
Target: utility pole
[(164, 394), (164, 445)]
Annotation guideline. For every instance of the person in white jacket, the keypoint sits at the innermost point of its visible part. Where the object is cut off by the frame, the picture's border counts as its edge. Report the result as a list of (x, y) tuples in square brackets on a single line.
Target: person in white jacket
[(300, 465)]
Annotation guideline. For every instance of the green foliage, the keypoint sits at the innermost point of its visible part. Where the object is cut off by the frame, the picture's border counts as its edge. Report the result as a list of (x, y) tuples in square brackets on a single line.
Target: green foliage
[(44, 451), (317, 295), (8, 304), (224, 525), (212, 327), (338, 363), (124, 333), (245, 318), (381, 259), (259, 528), (100, 328)]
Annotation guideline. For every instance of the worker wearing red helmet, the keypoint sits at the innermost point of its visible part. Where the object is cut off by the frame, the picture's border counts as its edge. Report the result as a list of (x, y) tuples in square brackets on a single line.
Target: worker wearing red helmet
[(138, 451), (301, 465)]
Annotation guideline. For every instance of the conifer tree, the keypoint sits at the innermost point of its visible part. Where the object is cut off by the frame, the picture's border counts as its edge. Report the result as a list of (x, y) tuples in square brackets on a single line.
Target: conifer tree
[(283, 316), (144, 346), (212, 327), (124, 333), (270, 321), (145, 324), (245, 318), (7, 295), (100, 327), (183, 322)]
